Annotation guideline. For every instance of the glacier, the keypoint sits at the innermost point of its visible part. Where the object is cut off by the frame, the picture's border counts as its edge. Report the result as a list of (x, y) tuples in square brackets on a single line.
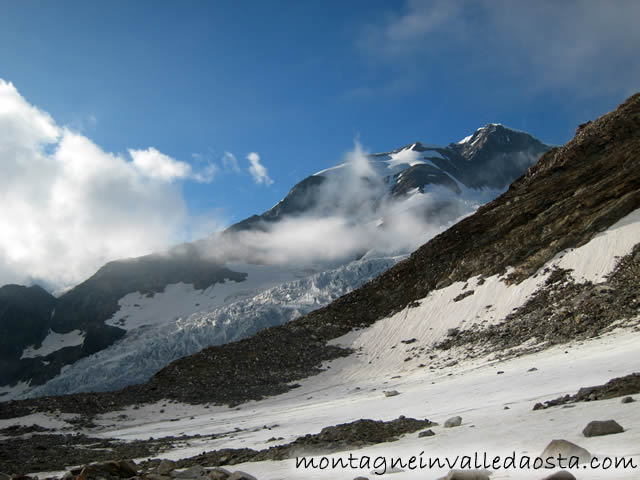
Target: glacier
[(148, 348)]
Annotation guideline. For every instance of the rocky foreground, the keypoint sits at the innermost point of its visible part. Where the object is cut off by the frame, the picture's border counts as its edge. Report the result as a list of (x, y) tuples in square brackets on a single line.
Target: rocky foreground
[(33, 449)]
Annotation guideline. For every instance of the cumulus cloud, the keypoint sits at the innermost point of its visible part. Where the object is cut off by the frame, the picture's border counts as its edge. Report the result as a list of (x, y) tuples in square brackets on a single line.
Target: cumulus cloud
[(588, 47), (159, 166), (68, 206), (257, 170)]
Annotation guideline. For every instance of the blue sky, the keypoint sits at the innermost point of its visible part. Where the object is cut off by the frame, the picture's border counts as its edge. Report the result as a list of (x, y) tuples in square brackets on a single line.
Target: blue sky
[(295, 82)]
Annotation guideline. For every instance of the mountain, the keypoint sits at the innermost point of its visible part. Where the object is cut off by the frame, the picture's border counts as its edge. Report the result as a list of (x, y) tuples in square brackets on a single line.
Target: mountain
[(390, 202), (516, 326), (491, 158), (562, 202)]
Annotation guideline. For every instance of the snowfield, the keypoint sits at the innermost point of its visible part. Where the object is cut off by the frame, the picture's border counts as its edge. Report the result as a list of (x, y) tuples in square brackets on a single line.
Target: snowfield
[(472, 390), (494, 397)]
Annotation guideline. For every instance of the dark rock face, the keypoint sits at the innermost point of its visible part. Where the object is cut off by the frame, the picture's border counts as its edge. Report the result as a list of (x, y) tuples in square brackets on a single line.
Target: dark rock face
[(598, 428), (25, 318), (494, 156)]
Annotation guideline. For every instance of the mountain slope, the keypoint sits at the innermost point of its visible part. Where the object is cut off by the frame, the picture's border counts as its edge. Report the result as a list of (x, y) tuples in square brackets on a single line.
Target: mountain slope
[(378, 205), (571, 194), (496, 255)]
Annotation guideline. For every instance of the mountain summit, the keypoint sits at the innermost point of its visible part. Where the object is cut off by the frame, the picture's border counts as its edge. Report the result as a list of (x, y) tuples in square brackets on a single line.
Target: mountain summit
[(490, 159)]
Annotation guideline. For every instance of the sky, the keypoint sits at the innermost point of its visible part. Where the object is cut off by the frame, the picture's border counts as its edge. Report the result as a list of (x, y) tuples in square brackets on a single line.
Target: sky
[(129, 126)]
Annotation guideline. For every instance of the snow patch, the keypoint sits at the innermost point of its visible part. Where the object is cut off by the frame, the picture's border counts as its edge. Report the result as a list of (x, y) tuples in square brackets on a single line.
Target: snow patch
[(54, 342), (595, 260), (57, 421), (404, 157), (8, 392), (465, 139)]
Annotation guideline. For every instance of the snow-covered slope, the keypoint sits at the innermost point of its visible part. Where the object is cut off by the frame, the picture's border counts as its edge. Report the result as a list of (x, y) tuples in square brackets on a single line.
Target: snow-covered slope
[(493, 395), (156, 337)]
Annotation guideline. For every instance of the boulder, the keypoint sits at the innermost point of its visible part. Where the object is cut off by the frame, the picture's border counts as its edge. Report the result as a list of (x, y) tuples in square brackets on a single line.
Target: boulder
[(467, 475), (219, 473), (561, 475), (598, 428), (453, 422), (628, 400), (391, 393), (120, 468), (426, 433), (192, 472), (148, 476), (566, 449), (165, 467), (238, 475)]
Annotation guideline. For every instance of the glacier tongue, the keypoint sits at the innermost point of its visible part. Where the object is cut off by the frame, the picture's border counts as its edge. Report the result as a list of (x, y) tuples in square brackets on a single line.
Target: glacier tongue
[(148, 348)]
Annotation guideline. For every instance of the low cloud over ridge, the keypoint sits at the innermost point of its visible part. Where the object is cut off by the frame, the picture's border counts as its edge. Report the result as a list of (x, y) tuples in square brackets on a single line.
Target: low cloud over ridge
[(348, 215)]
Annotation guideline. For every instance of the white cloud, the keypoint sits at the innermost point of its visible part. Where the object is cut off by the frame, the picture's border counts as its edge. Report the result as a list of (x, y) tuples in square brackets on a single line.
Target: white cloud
[(207, 174), (67, 206), (230, 163), (257, 170), (157, 165)]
